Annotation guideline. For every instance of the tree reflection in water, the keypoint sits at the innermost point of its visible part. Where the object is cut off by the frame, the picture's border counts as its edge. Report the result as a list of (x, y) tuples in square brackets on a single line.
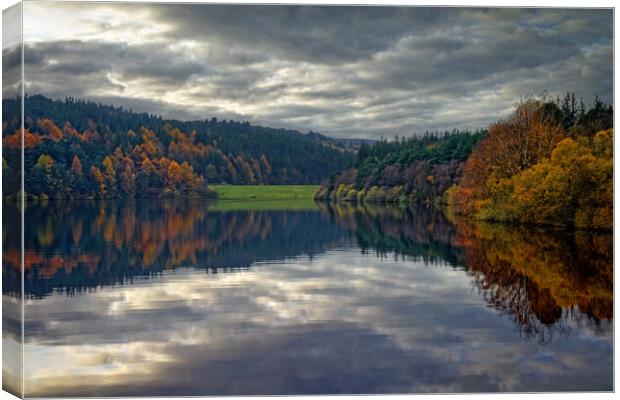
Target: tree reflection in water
[(108, 242), (542, 279)]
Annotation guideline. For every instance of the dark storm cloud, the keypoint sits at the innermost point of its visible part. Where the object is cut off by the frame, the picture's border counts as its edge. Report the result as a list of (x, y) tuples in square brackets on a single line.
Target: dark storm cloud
[(346, 34), (414, 63), (157, 61), (344, 71), (11, 71), (311, 34)]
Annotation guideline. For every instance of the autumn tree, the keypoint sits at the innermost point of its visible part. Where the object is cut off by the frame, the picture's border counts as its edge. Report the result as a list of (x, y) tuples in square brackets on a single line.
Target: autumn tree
[(118, 160), (527, 171), (258, 174), (245, 170), (76, 167), (231, 171), (265, 167), (46, 177), (71, 132), (14, 141), (573, 187), (75, 176), (52, 131), (128, 178), (147, 179), (100, 182), (109, 173), (511, 146)]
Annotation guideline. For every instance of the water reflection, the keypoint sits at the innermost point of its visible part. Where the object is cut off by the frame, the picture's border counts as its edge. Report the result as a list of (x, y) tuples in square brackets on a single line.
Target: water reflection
[(339, 299), (539, 277), (542, 278), (112, 242)]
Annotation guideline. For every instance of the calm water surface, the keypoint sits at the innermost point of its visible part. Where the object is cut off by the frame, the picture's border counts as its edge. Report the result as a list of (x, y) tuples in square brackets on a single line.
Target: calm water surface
[(187, 298)]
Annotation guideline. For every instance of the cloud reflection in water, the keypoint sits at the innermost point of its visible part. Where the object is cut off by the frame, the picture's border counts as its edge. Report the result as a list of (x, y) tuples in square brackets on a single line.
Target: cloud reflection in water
[(343, 320)]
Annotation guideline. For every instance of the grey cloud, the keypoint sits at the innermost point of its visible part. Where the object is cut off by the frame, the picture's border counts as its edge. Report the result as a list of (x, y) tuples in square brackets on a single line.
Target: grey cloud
[(11, 71), (320, 34), (416, 62), (144, 60), (334, 93), (342, 71), (313, 34), (242, 57)]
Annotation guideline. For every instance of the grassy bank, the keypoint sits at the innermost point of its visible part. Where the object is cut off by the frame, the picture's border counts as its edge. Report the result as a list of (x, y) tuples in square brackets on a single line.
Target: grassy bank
[(264, 192)]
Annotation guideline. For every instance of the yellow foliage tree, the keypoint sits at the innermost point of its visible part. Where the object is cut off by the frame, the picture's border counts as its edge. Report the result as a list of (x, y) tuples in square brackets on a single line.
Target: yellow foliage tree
[(573, 187)]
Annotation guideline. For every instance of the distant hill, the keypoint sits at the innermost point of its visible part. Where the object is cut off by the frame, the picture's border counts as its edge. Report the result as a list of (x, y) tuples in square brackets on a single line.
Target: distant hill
[(348, 143), (145, 149)]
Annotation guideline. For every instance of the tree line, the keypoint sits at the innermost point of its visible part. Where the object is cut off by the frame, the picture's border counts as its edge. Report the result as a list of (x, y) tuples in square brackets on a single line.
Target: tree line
[(414, 170), (550, 162), (75, 148)]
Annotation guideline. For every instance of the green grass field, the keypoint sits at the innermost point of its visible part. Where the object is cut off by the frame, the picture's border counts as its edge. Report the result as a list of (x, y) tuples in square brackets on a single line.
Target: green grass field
[(265, 192)]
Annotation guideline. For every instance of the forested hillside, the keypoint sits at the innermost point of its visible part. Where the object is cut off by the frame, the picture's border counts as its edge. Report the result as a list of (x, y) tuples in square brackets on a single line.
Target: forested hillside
[(75, 148), (417, 169)]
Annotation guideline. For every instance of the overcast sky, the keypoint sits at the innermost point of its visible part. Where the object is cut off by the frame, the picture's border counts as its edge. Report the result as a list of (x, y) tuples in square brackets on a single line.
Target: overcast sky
[(341, 71)]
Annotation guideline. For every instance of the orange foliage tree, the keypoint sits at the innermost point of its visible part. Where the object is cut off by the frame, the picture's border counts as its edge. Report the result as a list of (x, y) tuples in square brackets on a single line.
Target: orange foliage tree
[(513, 145), (527, 171), (53, 132)]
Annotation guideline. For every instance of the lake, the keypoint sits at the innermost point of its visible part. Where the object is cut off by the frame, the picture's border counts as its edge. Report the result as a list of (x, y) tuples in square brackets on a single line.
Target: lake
[(190, 298)]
